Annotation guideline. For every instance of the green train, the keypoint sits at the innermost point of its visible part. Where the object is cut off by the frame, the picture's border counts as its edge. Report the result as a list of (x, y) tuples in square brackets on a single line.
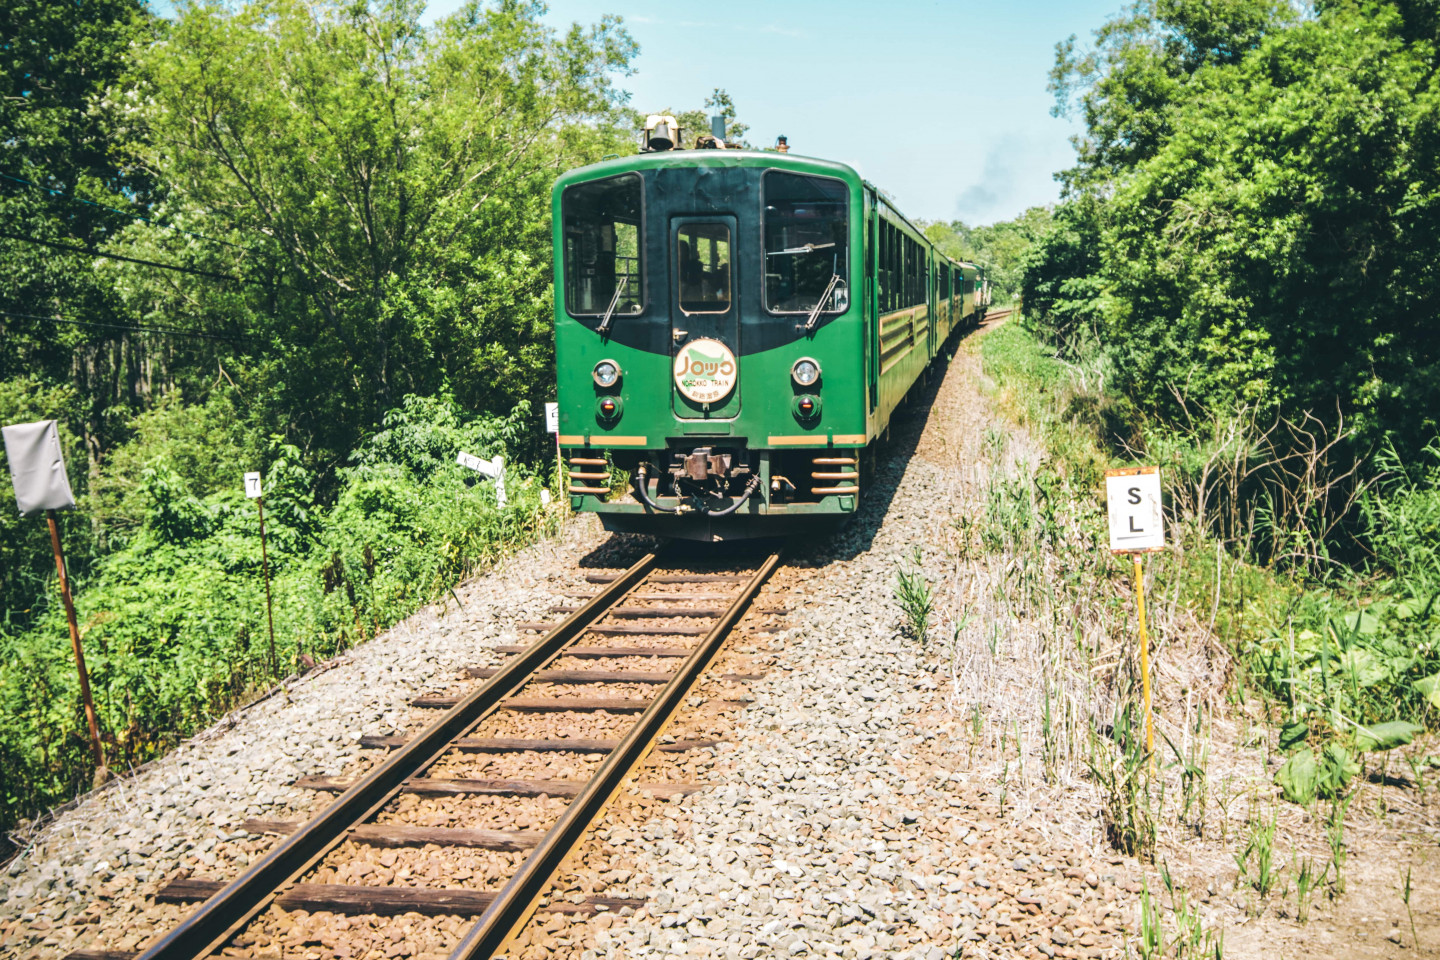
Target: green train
[(733, 332)]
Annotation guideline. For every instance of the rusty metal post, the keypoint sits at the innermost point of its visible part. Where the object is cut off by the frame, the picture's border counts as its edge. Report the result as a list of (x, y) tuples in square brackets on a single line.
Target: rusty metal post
[(269, 612), (75, 641)]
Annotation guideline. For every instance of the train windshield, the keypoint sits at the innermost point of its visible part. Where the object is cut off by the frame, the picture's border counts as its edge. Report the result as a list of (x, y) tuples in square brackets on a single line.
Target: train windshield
[(806, 242), (604, 262)]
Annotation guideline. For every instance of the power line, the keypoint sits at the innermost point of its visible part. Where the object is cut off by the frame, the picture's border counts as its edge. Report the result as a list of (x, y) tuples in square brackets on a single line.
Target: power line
[(123, 213), (165, 331), (115, 256)]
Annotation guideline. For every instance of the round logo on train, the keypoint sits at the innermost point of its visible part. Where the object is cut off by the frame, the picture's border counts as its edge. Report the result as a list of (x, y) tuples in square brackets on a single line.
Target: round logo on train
[(705, 370)]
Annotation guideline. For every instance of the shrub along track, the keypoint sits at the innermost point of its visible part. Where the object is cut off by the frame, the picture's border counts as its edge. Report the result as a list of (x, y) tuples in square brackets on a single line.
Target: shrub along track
[(581, 694)]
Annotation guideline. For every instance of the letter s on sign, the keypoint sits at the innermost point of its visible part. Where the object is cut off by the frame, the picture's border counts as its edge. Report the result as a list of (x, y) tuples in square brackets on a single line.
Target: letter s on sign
[(1134, 493)]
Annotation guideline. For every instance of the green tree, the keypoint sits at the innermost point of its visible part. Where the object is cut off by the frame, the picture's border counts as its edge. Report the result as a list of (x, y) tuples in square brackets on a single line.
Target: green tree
[(65, 189), (385, 186), (1001, 247)]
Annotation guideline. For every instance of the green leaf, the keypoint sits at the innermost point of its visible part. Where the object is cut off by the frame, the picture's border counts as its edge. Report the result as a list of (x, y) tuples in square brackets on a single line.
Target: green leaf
[(1363, 666), (1385, 736), (1293, 734), (1336, 769), (1430, 689), (1298, 777)]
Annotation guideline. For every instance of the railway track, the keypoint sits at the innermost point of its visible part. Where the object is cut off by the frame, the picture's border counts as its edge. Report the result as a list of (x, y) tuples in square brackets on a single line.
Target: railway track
[(998, 314), (661, 624)]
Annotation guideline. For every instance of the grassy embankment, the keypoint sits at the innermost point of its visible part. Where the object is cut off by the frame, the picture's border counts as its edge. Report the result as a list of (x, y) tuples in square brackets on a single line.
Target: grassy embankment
[(1329, 667)]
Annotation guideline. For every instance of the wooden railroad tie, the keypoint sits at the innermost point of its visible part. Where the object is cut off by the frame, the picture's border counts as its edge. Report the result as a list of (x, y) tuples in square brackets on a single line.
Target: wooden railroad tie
[(601, 676), (433, 787), (384, 901), (674, 578), (625, 629), (399, 835), (546, 704), (580, 676), (601, 653), (476, 745), (650, 613)]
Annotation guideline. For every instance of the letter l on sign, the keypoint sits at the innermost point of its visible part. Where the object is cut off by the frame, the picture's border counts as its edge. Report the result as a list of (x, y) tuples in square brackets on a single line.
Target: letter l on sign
[(1137, 523)]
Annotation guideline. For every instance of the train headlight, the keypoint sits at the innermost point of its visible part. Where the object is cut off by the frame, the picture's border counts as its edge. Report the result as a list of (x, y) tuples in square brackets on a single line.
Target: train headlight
[(805, 372), (606, 373)]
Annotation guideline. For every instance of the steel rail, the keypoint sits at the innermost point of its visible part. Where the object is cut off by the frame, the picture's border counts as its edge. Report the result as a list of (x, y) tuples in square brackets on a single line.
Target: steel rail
[(240, 901), (517, 901)]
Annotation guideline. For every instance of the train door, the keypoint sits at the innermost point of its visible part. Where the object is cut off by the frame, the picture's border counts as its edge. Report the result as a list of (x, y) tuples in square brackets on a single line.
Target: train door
[(872, 309), (704, 318)]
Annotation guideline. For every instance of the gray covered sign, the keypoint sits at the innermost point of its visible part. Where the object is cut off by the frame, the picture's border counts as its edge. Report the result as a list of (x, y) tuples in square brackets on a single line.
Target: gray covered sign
[(37, 468)]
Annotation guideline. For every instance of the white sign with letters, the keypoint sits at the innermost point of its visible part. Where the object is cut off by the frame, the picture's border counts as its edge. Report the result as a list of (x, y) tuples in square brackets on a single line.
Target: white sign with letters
[(1137, 522), (494, 469), (252, 485), (552, 418)]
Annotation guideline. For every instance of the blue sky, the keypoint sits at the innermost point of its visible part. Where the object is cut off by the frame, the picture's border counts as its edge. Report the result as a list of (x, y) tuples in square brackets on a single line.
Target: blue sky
[(940, 102)]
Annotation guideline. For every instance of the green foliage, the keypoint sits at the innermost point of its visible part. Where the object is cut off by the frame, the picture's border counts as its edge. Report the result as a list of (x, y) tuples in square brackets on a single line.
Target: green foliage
[(916, 597), (336, 215), (1256, 211), (381, 188), (174, 620), (1000, 247)]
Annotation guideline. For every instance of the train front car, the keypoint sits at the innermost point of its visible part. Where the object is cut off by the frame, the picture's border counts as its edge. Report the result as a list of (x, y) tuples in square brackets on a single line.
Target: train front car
[(709, 343)]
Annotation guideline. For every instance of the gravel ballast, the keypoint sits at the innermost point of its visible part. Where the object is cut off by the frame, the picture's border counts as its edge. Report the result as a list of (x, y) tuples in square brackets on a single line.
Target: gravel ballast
[(845, 812)]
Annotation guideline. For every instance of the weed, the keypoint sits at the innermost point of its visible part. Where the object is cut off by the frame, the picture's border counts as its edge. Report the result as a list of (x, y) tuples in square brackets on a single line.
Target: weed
[(1193, 784), (1261, 845), (1405, 895), (977, 727), (1335, 835), (1305, 883), (1122, 776), (1191, 940), (916, 597), (1152, 934)]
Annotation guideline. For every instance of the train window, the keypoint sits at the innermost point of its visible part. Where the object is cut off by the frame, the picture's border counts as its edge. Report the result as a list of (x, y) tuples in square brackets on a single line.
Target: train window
[(602, 249), (703, 253), (807, 233)]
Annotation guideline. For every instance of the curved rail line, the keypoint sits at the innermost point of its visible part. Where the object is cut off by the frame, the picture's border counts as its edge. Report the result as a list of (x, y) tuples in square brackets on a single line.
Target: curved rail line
[(275, 879)]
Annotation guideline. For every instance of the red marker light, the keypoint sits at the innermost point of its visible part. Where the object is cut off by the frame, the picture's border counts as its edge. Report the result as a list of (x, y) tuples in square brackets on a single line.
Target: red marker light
[(608, 407), (807, 406)]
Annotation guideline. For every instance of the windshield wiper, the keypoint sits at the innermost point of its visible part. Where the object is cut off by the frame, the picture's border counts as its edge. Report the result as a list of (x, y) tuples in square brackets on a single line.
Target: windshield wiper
[(604, 327), (820, 304), (808, 248)]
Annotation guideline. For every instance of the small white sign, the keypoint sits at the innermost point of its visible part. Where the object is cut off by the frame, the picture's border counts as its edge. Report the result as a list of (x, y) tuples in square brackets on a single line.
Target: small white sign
[(552, 418), (1137, 522), (494, 468), (252, 485)]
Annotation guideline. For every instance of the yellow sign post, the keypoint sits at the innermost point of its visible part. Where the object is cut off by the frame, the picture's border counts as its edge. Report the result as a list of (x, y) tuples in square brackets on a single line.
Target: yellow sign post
[(1137, 526)]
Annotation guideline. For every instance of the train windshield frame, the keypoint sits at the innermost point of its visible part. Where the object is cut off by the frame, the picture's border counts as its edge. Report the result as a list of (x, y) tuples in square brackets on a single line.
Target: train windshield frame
[(603, 239), (805, 228)]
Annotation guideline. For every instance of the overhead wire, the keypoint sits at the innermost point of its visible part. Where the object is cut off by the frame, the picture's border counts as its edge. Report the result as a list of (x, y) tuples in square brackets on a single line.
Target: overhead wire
[(142, 328), (123, 213), (116, 256)]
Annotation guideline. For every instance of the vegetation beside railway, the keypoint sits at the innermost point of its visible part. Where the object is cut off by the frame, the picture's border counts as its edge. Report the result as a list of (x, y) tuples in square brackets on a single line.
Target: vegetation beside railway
[(1241, 282), (320, 263)]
